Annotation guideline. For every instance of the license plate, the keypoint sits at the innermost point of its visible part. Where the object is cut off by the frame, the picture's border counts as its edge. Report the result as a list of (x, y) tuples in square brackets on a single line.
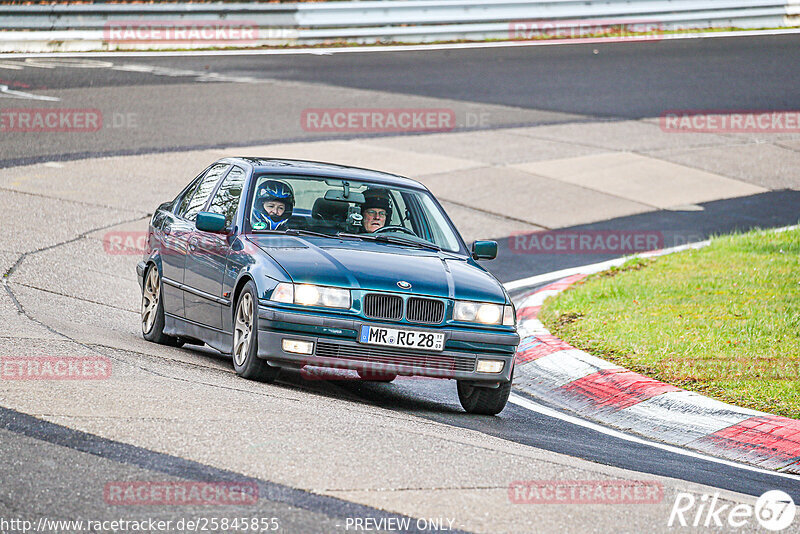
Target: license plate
[(410, 339)]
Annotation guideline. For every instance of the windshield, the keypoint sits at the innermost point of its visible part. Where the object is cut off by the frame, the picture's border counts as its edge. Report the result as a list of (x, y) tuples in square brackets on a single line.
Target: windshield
[(336, 206)]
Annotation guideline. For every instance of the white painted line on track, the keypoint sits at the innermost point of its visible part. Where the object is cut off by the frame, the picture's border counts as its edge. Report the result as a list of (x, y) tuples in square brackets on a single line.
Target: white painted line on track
[(597, 267), (605, 265), (549, 412), (406, 48), (11, 93)]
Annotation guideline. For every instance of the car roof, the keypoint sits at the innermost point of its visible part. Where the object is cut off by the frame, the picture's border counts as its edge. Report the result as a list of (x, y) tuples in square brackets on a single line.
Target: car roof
[(327, 170)]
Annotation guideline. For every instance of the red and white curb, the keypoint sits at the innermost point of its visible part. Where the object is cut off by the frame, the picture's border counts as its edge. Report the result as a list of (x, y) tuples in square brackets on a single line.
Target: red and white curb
[(551, 369)]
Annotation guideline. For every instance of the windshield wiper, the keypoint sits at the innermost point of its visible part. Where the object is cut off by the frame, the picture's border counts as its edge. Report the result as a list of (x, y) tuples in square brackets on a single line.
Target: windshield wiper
[(300, 231), (401, 241), (294, 231), (393, 240)]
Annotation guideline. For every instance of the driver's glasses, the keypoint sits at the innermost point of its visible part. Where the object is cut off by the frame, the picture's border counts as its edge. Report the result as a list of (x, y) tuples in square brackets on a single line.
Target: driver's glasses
[(375, 214)]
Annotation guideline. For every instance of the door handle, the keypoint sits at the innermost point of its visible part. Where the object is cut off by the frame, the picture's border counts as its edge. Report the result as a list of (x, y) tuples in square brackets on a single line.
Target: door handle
[(167, 230)]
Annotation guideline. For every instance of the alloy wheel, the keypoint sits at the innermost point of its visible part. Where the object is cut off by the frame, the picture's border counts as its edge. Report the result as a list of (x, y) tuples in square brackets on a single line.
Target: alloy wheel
[(243, 329)]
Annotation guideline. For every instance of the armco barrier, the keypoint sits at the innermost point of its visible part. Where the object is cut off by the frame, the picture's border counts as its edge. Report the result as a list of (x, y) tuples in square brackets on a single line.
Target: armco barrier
[(65, 27)]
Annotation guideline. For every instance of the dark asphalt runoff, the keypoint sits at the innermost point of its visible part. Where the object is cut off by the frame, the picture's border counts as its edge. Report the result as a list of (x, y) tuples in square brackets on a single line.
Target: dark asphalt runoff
[(601, 81), (617, 80)]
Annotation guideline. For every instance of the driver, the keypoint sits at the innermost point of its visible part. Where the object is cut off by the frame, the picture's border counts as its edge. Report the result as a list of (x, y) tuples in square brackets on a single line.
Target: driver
[(376, 209), (273, 206)]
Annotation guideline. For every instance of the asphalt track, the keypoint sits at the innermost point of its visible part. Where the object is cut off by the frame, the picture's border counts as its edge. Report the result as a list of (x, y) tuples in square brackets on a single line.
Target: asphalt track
[(508, 86), (558, 84), (544, 85), (529, 428)]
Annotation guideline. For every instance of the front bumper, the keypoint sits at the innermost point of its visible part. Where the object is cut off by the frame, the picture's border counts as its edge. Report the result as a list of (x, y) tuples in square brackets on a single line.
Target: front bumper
[(335, 346)]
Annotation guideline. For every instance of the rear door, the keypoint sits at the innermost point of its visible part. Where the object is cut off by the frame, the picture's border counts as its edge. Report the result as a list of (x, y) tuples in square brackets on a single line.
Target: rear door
[(172, 235), (177, 233)]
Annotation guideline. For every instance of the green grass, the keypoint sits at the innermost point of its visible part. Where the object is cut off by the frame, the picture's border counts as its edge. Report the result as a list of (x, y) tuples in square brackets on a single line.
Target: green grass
[(723, 320)]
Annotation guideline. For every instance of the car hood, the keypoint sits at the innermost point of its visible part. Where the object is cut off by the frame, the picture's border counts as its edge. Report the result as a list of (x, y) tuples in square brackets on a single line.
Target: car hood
[(379, 266)]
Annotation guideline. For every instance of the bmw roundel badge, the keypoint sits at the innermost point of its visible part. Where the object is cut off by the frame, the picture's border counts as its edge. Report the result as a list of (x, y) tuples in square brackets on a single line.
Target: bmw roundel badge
[(402, 284)]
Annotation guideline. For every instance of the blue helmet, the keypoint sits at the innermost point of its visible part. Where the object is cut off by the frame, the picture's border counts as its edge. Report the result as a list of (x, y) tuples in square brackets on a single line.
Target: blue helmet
[(271, 191)]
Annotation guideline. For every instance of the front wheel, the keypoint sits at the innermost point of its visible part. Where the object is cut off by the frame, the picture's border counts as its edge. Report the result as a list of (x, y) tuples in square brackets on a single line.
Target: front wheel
[(483, 400), (246, 363), (153, 310)]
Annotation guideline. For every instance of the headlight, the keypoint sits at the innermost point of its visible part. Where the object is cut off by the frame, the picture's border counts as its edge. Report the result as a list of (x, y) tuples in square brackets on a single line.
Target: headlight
[(311, 295), (477, 312)]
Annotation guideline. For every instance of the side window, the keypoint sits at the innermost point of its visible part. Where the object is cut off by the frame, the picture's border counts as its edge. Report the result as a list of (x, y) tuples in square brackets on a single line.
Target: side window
[(226, 200), (400, 211), (194, 201), (184, 195)]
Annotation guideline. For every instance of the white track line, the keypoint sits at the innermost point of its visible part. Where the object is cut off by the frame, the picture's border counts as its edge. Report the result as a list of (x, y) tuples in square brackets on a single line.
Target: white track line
[(405, 48), (597, 267), (549, 412), (605, 265)]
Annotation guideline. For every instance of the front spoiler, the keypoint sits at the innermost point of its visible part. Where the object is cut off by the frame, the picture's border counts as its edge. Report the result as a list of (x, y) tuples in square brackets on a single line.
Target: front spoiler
[(270, 348)]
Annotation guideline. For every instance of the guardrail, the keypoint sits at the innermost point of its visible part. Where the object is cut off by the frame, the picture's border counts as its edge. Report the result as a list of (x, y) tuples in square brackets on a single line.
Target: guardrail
[(87, 26)]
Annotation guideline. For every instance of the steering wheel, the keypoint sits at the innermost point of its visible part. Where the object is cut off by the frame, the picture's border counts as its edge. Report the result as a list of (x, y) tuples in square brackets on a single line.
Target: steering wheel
[(395, 228)]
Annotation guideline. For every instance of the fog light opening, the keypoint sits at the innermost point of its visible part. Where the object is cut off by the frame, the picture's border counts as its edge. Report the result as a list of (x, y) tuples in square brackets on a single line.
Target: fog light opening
[(491, 366), (298, 347)]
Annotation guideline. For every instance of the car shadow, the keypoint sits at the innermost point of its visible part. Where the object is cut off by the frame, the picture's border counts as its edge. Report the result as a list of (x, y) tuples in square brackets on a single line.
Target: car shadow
[(405, 393)]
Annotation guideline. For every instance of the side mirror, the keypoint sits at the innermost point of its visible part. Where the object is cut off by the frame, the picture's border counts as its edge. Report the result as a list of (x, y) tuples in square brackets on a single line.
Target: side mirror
[(210, 222), (484, 250)]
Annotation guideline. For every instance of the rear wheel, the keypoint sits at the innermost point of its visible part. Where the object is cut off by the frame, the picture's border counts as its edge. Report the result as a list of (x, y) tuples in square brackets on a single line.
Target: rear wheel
[(245, 339), (482, 400), (153, 310)]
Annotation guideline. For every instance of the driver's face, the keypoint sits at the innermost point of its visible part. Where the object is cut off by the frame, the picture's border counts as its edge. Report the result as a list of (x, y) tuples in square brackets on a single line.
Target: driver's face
[(374, 219), (274, 208)]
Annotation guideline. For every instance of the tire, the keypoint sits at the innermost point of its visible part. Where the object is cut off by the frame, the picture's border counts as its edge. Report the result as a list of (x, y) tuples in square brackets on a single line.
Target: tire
[(153, 310), (246, 363), (376, 376), (483, 401)]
